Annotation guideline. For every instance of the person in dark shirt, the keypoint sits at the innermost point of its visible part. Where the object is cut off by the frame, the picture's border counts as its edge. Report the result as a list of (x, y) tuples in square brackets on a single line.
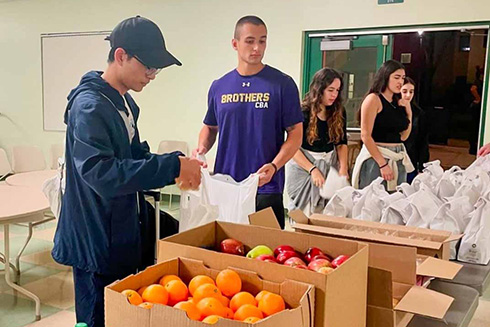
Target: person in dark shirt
[(386, 122), (417, 143), (324, 142)]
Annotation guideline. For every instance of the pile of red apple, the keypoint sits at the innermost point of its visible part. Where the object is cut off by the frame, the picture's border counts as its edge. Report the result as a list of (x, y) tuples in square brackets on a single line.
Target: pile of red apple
[(313, 259)]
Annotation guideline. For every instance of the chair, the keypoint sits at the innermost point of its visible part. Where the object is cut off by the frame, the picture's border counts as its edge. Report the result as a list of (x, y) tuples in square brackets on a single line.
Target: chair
[(166, 147), (57, 151), (5, 168), (27, 158)]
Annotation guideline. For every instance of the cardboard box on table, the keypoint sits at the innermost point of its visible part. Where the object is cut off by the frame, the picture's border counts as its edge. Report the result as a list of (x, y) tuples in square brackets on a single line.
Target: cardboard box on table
[(393, 270), (119, 312), (428, 242), (340, 297)]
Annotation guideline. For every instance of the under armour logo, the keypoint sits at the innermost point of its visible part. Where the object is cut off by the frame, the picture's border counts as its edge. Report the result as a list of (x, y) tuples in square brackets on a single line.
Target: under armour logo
[(246, 84)]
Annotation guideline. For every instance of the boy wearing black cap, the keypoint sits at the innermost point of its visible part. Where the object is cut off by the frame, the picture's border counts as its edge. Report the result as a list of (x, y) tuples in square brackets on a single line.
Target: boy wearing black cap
[(253, 106), (99, 232)]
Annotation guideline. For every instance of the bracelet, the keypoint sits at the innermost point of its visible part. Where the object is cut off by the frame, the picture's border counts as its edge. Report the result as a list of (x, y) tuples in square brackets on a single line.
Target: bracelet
[(381, 167), (275, 167), (311, 169)]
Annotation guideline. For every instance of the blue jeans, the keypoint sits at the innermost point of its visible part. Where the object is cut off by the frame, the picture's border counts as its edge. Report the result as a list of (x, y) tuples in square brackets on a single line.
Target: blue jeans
[(370, 169)]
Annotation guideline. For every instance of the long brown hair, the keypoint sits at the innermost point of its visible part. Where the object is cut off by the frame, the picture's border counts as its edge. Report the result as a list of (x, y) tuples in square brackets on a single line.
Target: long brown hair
[(312, 103)]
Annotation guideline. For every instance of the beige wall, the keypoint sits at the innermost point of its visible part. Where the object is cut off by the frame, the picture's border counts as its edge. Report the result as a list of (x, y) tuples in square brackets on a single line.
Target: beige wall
[(198, 32)]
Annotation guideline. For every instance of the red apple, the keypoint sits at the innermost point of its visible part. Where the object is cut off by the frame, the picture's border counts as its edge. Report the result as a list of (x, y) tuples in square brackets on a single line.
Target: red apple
[(282, 248), (283, 256), (315, 265), (232, 246), (266, 258), (294, 262), (312, 252), (321, 256), (325, 270), (339, 260)]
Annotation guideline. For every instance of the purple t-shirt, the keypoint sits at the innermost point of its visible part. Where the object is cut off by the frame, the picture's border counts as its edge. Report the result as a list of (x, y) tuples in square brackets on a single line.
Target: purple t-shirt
[(252, 114)]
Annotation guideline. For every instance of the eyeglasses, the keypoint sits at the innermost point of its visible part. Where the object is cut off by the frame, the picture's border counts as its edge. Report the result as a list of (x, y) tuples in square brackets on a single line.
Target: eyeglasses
[(150, 71)]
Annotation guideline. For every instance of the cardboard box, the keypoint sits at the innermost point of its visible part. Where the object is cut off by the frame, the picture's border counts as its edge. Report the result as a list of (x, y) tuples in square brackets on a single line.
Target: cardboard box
[(392, 274), (118, 312), (340, 297), (428, 242)]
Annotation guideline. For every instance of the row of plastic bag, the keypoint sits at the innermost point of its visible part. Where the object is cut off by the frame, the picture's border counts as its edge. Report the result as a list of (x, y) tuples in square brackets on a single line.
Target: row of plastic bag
[(454, 200)]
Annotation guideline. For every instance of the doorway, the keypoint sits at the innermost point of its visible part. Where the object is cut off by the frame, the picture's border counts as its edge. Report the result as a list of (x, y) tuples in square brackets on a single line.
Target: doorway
[(447, 64)]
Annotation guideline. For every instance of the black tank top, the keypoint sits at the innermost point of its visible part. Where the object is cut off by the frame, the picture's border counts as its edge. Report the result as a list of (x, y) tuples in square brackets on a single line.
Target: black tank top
[(389, 122)]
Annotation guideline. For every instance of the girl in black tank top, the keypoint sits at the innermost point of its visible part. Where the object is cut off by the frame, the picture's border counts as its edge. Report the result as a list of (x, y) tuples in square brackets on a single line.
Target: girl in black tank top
[(385, 123), (389, 122)]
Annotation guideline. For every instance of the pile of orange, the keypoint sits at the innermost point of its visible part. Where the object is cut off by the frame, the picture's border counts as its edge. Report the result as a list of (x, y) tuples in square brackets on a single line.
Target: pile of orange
[(207, 300)]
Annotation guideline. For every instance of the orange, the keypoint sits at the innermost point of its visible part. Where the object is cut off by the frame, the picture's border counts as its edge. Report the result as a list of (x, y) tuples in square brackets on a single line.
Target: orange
[(155, 293), (229, 282), (190, 308), (146, 305), (211, 320), (259, 296), (210, 306), (271, 303), (251, 320), (248, 310), (225, 301), (198, 281), (240, 299), (206, 290), (167, 278), (229, 313), (177, 292), (133, 297), (141, 290)]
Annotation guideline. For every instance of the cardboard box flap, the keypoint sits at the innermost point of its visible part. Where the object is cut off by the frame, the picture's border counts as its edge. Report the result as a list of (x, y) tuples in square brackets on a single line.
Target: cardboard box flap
[(368, 236), (425, 302), (433, 267), (380, 288), (401, 261), (264, 218), (299, 217), (453, 237)]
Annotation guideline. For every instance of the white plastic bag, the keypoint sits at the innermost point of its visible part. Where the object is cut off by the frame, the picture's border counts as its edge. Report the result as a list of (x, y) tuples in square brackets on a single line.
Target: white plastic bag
[(475, 246), (340, 205), (430, 176), (333, 183), (475, 183), (54, 188), (389, 200), (480, 162), (453, 216), (424, 207), (367, 202), (406, 189), (219, 198), (449, 182), (397, 213)]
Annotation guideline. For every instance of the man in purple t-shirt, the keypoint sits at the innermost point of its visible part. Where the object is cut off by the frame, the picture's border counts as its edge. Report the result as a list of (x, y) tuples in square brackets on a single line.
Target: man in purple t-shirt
[(252, 107)]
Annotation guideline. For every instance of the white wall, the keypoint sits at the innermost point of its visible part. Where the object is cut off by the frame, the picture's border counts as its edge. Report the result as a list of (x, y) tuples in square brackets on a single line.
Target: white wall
[(198, 32)]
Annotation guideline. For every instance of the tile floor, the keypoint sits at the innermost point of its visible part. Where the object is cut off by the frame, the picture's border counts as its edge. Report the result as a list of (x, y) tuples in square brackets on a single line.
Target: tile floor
[(53, 283)]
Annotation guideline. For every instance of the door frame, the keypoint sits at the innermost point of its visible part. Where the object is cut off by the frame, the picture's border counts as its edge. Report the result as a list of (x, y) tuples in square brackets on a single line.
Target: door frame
[(307, 35)]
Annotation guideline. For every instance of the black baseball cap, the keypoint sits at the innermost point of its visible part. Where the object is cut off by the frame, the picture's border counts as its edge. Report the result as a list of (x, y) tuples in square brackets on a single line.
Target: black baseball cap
[(142, 37)]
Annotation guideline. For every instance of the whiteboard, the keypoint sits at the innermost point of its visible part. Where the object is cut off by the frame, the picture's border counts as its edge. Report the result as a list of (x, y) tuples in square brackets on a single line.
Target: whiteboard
[(65, 58)]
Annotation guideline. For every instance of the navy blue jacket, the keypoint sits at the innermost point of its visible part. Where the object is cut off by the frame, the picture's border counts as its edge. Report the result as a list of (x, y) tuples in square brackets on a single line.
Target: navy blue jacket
[(99, 228)]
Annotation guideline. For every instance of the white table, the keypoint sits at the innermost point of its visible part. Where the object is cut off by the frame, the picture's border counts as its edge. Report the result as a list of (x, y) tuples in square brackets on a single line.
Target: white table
[(34, 179), (20, 205)]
